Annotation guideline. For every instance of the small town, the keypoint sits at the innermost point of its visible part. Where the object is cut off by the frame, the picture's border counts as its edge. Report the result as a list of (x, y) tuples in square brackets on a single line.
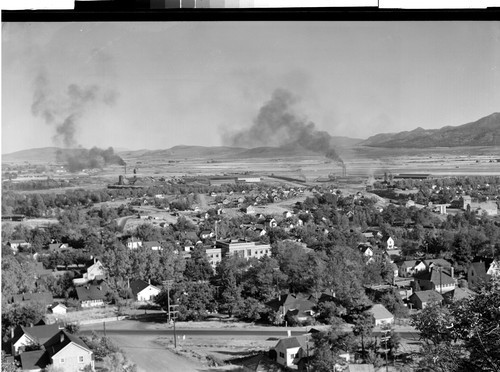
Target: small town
[(357, 277)]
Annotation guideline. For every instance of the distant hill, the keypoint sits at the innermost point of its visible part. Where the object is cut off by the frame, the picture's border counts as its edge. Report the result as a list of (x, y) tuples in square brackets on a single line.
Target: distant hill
[(483, 132), (182, 151), (38, 155), (49, 154)]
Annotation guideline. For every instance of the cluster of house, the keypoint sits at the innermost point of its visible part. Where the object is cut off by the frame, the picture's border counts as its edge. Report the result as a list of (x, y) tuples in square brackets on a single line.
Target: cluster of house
[(271, 195), (433, 280), (38, 347), (293, 352)]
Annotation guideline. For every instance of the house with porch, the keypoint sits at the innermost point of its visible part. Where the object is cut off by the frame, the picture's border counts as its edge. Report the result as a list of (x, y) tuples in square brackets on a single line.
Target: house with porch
[(92, 295)]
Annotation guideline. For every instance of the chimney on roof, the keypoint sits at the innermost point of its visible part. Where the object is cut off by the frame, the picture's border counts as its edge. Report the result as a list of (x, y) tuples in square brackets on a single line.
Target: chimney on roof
[(149, 281), (61, 337), (452, 272), (12, 332)]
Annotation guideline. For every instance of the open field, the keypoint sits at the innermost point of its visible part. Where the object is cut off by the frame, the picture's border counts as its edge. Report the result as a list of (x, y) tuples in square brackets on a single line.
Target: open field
[(361, 162)]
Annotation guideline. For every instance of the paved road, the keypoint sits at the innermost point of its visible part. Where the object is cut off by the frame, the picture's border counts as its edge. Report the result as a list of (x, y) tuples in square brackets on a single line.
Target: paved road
[(218, 332)]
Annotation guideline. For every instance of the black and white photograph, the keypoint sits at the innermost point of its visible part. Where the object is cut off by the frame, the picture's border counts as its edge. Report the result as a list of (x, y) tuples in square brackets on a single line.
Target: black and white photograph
[(252, 195)]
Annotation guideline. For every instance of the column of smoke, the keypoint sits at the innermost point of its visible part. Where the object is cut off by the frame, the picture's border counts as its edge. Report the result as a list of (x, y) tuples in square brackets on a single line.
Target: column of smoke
[(277, 125), (64, 112)]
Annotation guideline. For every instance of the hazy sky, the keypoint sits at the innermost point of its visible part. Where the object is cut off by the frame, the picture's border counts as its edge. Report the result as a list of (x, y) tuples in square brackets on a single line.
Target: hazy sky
[(188, 83)]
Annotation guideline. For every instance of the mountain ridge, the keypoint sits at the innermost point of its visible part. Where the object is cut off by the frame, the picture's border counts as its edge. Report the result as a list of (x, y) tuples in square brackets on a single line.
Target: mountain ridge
[(482, 132)]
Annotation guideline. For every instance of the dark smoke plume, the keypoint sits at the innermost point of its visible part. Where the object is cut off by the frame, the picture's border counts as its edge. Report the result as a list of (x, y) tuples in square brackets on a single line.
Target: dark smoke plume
[(66, 111), (78, 159), (277, 125)]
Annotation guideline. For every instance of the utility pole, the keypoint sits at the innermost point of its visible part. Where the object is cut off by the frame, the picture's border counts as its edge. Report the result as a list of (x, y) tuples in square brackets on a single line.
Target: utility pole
[(385, 336), (174, 317), (168, 284)]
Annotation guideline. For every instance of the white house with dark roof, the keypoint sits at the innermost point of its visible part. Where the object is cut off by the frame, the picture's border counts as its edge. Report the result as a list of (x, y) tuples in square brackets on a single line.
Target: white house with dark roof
[(381, 315), (144, 291), (290, 350), (63, 352)]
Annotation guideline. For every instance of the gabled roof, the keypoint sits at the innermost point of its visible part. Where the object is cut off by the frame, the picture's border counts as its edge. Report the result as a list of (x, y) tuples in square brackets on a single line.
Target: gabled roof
[(56, 304), (428, 296), (459, 294), (139, 285), (40, 334), (438, 262), (290, 302), (436, 276), (60, 340), (292, 342), (481, 267), (91, 292), (36, 359), (380, 312)]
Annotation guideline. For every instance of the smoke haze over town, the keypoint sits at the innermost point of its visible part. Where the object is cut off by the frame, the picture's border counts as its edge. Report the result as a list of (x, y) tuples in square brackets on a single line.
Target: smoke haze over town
[(157, 85)]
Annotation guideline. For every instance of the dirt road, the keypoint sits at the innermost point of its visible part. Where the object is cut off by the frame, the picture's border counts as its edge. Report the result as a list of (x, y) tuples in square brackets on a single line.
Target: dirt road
[(149, 356)]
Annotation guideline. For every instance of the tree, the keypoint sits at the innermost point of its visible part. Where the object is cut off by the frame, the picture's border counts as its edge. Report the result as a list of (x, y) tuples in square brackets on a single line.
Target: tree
[(363, 327), (8, 365), (118, 362), (328, 345), (463, 336), (198, 267)]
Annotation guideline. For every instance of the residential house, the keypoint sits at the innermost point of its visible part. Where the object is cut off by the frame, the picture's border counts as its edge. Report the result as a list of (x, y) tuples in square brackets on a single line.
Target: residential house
[(64, 351), (290, 350), (411, 267), (96, 271), (207, 234), (143, 291), (298, 305), (24, 336), (58, 308), (381, 315), (18, 243), (92, 295), (59, 247), (389, 243), (477, 274), (287, 214), (438, 262), (271, 222), (250, 210), (458, 294), (153, 245), (421, 299), (494, 269), (133, 243), (436, 279)]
